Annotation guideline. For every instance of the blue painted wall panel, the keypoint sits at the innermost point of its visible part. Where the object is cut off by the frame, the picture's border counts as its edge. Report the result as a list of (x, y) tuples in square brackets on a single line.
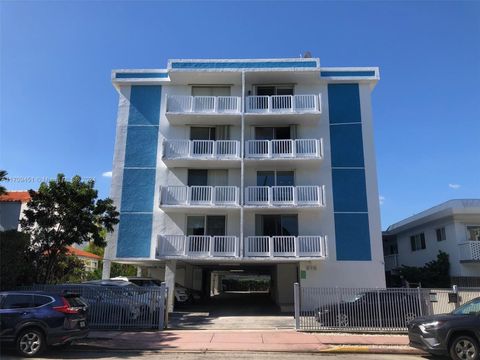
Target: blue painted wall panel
[(244, 65), (349, 190), (144, 105), (347, 73), (353, 237), (141, 75), (346, 145), (141, 148), (134, 235), (344, 103), (138, 190)]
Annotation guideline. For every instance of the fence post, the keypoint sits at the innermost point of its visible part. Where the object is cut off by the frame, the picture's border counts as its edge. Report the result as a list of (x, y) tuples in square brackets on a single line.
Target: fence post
[(296, 299), (162, 314), (419, 291), (457, 297), (379, 308)]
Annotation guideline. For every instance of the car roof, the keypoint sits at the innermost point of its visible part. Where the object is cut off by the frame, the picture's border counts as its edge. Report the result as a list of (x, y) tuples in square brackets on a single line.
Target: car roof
[(109, 282)]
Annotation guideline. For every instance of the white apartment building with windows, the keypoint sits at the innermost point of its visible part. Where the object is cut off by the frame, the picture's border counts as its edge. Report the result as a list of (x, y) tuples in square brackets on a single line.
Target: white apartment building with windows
[(452, 227), (261, 166)]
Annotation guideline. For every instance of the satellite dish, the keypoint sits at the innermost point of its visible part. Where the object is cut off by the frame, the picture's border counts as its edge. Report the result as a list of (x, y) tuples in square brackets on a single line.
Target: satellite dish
[(307, 55)]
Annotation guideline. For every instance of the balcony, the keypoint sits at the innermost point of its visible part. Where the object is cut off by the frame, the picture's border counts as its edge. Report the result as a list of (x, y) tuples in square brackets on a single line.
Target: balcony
[(283, 104), (300, 149), (255, 247), (391, 262), (199, 197), (285, 246), (196, 246), (209, 110), (187, 152), (284, 196), (469, 251)]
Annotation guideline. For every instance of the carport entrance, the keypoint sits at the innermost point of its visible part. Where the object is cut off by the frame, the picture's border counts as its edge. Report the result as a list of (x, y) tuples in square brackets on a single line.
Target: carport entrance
[(237, 297)]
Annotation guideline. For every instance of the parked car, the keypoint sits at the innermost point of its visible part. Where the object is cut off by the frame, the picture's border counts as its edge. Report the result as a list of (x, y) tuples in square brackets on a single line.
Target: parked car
[(182, 295), (381, 308), (456, 334), (112, 303), (33, 320)]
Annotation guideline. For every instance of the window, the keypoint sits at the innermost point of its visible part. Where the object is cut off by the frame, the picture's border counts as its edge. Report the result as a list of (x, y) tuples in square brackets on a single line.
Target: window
[(210, 90), (213, 177), (441, 234), (417, 242), (270, 90), (202, 133), (40, 300), (276, 225), (275, 178), (473, 233), (271, 133), (206, 225), (18, 301)]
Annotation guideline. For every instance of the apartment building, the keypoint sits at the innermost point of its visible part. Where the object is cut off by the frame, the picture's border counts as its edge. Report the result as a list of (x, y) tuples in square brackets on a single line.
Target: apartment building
[(260, 166), (452, 227)]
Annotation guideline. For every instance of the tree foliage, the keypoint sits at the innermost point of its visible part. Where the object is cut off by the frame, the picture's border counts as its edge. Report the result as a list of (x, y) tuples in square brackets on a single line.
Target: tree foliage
[(15, 265), (60, 214), (435, 273), (116, 269), (3, 177)]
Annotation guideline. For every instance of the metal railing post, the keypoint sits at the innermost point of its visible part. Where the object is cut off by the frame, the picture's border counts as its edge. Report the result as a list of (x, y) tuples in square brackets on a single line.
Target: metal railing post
[(296, 299)]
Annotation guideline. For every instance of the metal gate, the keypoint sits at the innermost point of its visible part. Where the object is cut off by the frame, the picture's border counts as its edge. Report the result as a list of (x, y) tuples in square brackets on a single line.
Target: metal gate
[(118, 307), (371, 309)]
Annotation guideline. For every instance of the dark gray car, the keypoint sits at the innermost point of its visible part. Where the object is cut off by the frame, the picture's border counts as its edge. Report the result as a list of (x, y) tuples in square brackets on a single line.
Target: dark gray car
[(456, 334)]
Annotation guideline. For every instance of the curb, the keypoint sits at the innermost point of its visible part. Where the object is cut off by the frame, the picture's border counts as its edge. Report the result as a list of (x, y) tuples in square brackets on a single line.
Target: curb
[(341, 349)]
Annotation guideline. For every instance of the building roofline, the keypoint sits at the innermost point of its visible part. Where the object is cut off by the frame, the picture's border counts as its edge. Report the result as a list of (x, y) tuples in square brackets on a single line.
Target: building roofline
[(447, 208)]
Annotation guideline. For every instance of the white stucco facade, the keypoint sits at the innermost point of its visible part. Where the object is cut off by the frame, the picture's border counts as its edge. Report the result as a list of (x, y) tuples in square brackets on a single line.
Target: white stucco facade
[(250, 97), (458, 219)]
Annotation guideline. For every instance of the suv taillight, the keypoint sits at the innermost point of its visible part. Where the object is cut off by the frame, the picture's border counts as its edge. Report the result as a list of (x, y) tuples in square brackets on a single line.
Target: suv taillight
[(65, 308)]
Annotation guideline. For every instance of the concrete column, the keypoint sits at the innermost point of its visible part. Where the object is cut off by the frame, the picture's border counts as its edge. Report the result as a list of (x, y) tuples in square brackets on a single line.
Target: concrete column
[(170, 270), (106, 269)]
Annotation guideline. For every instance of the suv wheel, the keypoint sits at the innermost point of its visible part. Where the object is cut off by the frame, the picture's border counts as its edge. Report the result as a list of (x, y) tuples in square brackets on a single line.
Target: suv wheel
[(464, 348), (30, 342)]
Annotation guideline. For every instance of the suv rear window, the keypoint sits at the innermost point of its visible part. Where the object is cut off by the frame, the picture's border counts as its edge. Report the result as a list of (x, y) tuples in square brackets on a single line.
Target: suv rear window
[(75, 301), (39, 300), (19, 301)]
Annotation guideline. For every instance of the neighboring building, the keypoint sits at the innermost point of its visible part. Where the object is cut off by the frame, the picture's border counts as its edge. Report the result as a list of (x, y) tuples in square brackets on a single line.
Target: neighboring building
[(90, 260), (452, 227), (265, 166), (12, 205)]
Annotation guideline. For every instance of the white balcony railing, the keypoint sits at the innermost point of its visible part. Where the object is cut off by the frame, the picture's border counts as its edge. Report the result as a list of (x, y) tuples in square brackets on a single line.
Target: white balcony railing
[(204, 104), (285, 246), (288, 148), (200, 195), (201, 149), (283, 104), (469, 251), (202, 246), (284, 195), (198, 246), (391, 262)]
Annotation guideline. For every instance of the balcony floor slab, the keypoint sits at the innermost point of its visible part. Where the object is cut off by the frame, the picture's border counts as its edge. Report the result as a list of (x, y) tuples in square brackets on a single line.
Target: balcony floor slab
[(202, 163)]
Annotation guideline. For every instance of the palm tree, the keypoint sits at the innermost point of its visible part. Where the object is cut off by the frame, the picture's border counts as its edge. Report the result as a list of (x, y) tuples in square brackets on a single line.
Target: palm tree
[(3, 177)]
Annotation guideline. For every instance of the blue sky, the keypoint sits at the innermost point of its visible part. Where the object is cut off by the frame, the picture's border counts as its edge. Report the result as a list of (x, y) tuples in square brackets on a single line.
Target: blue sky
[(58, 108)]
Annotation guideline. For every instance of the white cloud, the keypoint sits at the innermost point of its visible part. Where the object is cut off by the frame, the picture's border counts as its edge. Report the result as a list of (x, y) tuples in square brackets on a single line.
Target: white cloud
[(454, 186), (381, 199), (107, 174)]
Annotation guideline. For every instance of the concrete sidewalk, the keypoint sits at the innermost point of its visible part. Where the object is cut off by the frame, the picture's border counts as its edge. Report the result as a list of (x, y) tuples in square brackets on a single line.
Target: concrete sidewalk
[(258, 341)]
